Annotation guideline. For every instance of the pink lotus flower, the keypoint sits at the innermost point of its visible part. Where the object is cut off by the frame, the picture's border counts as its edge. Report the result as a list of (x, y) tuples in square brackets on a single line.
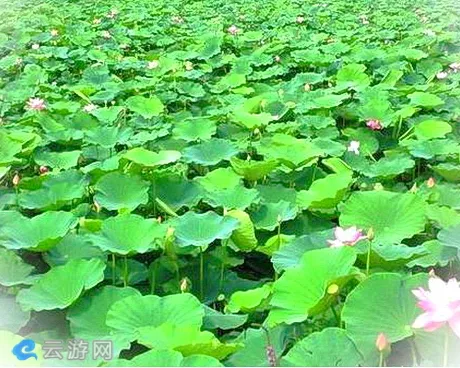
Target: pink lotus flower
[(430, 183), (442, 75), (441, 304), (374, 124), (43, 169), (382, 343), (346, 237), (89, 107), (354, 147), (36, 104), (233, 30)]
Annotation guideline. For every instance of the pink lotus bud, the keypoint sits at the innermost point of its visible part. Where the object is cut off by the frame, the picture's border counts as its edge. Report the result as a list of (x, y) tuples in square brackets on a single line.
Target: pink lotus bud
[(43, 169), (430, 183), (382, 342), (16, 179), (374, 124)]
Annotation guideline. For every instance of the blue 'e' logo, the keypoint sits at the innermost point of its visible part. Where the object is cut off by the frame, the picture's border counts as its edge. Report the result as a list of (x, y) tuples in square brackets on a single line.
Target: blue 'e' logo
[(24, 350)]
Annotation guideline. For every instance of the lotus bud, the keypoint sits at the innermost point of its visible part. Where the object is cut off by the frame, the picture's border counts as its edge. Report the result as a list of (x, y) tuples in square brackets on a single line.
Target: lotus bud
[(277, 58), (184, 285), (159, 219), (370, 234), (97, 206), (307, 87), (43, 169), (170, 232), (16, 179), (256, 131), (333, 289), (188, 65), (35, 46), (382, 342), (54, 32), (378, 186), (414, 188), (279, 219), (430, 183)]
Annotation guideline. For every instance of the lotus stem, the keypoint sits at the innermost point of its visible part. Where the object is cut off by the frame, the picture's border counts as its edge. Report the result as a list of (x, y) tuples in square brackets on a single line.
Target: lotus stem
[(114, 277), (125, 272), (381, 359), (201, 274), (446, 349), (368, 260)]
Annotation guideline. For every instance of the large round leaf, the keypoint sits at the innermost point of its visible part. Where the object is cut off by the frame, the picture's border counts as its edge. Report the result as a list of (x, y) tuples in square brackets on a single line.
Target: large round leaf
[(243, 236), (301, 291), (166, 358), (238, 197), (202, 229), (270, 215), (393, 216), (116, 191), (210, 152), (62, 285), (128, 234), (146, 107), (329, 348), (383, 303), (253, 170), (38, 233), (87, 316), (13, 317), (148, 158), (13, 270)]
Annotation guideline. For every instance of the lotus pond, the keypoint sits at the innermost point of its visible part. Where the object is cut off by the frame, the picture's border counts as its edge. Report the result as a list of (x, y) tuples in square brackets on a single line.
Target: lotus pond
[(230, 183)]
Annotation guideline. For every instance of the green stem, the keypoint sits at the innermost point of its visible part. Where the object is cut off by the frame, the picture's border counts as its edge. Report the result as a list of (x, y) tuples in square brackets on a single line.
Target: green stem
[(153, 281), (201, 274), (336, 316), (446, 348), (114, 277), (125, 272), (381, 359), (368, 260), (413, 352)]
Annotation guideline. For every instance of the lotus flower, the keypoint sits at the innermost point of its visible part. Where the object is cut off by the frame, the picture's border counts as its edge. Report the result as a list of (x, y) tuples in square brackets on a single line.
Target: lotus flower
[(277, 58), (442, 75), (233, 30), (106, 34), (354, 147), (153, 64), (430, 183), (16, 179), (54, 32), (455, 67), (43, 169), (188, 65), (35, 46), (300, 19), (429, 33), (346, 237), (382, 343), (441, 304), (89, 107), (36, 104), (374, 124), (97, 21)]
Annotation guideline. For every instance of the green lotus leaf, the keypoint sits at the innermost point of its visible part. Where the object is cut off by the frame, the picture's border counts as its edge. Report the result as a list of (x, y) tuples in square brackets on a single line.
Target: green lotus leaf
[(425, 99), (176, 191), (386, 167), (13, 317), (107, 115), (57, 160), (274, 243), (210, 152), (253, 170), (87, 316), (326, 192), (108, 136), (254, 352), (148, 158), (431, 148), (243, 236), (249, 300), (128, 234), (137, 271), (62, 285), (214, 320), (166, 358), (56, 191), (331, 347), (290, 151), (448, 171), (130, 315), (39, 233), (273, 193), (9, 148), (117, 191), (449, 237), (202, 229), (222, 178), (437, 254), (396, 311), (194, 129), (238, 197), (429, 129), (146, 107), (352, 76), (301, 291), (270, 215), (393, 216), (13, 270), (290, 254), (251, 121)]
